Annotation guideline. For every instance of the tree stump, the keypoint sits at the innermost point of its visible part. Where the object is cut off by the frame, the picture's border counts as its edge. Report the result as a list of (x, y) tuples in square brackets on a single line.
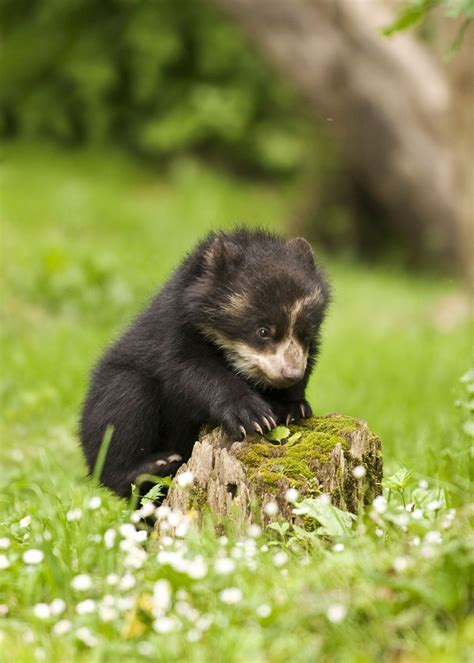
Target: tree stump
[(238, 479)]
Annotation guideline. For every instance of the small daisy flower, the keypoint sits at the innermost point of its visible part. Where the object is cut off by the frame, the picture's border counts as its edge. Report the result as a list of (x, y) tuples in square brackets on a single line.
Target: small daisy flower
[(58, 606), (94, 503), (109, 538), (280, 558), (185, 479), (224, 566), (423, 484), (264, 610), (379, 504), (401, 563), (435, 505), (164, 624), (230, 595), (336, 613), (254, 531), (25, 522), (324, 498), (81, 582), (359, 472), (197, 568), (4, 562), (4, 543), (112, 579), (338, 547), (74, 514), (86, 636), (33, 556), (127, 582), (86, 607), (42, 611), (62, 627), (107, 613), (291, 495), (271, 508), (433, 537)]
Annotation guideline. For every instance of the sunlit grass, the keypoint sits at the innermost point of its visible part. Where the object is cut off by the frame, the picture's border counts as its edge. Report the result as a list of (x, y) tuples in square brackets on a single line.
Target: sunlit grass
[(86, 239)]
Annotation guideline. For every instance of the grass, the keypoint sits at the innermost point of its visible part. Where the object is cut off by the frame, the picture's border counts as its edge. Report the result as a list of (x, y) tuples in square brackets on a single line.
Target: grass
[(86, 238)]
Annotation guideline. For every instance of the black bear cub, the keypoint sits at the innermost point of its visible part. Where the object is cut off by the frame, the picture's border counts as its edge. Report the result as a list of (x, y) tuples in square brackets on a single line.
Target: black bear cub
[(230, 339)]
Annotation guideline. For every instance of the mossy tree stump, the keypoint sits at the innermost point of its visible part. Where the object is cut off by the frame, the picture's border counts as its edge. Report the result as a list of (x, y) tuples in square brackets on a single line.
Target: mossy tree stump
[(238, 479)]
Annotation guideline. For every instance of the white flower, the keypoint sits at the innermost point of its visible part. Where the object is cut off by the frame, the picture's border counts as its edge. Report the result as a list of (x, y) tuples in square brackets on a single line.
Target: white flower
[(128, 531), (338, 547), (3, 610), (415, 541), (162, 593), (254, 531), (145, 648), (280, 558), (81, 582), (109, 538), (4, 543), (401, 563), (73, 515), (224, 565), (271, 508), (135, 559), (197, 568), (264, 610), (379, 504), (146, 510), (433, 537), (112, 579), (86, 636), (336, 613), (94, 503), (435, 505), (4, 562), (193, 635), (62, 627), (379, 532), (291, 495), (33, 556), (185, 479), (86, 607), (107, 613), (58, 606), (427, 552), (417, 514), (162, 512), (230, 595), (164, 624), (359, 472), (42, 611), (423, 484), (402, 520), (25, 522), (127, 582)]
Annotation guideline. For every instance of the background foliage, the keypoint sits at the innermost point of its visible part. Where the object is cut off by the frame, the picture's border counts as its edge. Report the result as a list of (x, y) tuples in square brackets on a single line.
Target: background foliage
[(157, 78)]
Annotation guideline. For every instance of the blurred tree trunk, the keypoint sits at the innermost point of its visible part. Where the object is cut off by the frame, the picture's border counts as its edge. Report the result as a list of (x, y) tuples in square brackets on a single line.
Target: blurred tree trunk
[(386, 101)]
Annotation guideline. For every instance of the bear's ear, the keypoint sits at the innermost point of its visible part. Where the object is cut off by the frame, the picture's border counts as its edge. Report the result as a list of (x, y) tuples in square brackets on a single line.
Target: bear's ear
[(302, 249), (223, 256)]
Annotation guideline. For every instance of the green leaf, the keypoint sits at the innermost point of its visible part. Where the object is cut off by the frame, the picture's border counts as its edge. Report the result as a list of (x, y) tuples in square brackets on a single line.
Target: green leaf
[(398, 481), (278, 434), (333, 521), (409, 16), (294, 438)]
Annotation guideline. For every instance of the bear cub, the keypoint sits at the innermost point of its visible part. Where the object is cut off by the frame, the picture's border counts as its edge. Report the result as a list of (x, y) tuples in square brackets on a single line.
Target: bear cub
[(231, 340)]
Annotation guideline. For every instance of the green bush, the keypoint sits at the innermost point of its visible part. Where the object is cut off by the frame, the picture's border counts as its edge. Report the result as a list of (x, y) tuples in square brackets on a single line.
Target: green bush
[(158, 78)]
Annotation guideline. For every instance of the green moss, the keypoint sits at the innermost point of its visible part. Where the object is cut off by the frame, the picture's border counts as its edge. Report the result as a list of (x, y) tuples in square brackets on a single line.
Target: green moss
[(296, 463)]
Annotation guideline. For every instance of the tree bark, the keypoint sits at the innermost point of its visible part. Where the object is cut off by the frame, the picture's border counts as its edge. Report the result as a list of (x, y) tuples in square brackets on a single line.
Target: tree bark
[(385, 100), (237, 479)]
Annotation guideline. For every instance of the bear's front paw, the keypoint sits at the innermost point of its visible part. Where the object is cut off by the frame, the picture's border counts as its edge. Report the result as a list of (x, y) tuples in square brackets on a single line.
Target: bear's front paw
[(249, 416), (290, 411)]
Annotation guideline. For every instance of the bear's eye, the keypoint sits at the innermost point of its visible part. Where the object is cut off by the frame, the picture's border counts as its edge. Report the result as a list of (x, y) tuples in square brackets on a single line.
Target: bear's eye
[(263, 332)]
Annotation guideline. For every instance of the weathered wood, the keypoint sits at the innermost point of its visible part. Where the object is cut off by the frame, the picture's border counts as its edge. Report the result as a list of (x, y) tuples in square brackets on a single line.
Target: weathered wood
[(238, 479)]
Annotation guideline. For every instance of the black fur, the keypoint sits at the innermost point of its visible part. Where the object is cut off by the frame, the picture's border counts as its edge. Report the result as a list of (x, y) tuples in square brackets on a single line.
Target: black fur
[(163, 378)]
